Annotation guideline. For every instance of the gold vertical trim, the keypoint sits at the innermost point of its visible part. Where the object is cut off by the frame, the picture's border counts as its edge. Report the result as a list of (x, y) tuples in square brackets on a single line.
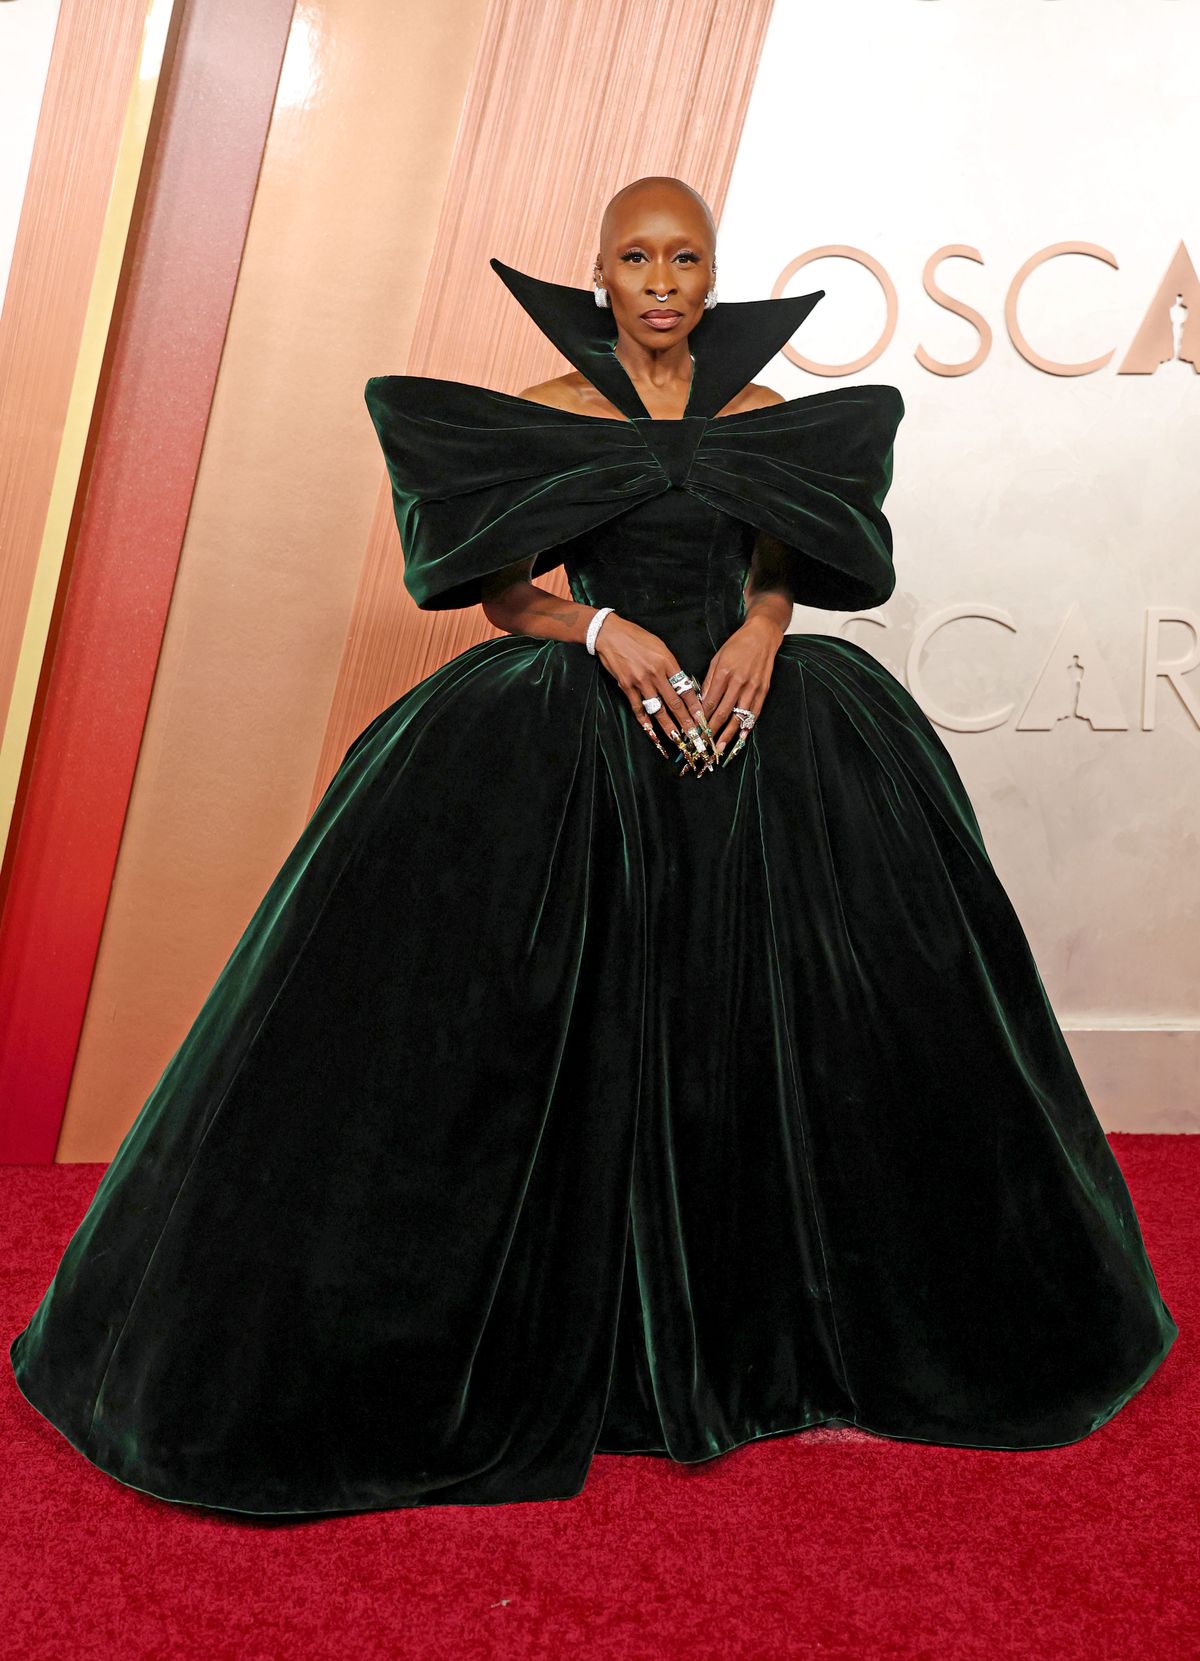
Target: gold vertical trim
[(81, 402)]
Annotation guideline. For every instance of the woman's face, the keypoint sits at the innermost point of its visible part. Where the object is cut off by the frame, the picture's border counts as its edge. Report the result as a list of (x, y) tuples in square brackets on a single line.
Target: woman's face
[(656, 261)]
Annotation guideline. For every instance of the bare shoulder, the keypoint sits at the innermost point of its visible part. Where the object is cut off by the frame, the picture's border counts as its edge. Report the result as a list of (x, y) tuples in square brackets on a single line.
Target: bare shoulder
[(753, 396), (571, 392), (552, 393)]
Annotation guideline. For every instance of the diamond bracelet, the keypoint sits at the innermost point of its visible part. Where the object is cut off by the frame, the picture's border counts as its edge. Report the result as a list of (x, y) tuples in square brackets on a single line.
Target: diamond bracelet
[(594, 627)]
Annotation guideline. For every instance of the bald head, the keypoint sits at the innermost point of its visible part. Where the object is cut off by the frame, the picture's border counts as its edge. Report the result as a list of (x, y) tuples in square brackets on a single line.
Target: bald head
[(649, 203)]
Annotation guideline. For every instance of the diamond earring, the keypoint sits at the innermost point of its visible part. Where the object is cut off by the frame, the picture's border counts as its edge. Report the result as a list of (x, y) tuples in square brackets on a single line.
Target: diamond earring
[(710, 299), (600, 295)]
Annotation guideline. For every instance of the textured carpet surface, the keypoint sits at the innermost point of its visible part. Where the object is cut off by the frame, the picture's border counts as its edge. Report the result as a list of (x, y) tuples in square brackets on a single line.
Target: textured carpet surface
[(830, 1544)]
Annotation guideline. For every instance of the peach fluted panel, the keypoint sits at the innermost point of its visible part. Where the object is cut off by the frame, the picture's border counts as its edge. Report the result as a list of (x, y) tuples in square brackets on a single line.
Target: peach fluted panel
[(343, 222), (567, 102)]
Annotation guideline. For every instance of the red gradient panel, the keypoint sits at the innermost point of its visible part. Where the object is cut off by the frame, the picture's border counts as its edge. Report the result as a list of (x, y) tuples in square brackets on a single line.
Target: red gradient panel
[(168, 335)]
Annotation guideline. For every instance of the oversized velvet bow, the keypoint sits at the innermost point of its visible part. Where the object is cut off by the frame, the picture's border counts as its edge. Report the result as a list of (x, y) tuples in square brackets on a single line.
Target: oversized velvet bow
[(481, 479)]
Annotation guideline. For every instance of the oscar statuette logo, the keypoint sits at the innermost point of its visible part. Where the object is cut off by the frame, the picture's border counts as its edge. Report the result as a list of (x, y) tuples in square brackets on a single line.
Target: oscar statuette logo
[(1074, 680)]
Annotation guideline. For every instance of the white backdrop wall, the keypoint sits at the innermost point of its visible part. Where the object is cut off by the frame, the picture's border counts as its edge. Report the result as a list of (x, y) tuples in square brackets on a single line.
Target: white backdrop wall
[(1027, 497)]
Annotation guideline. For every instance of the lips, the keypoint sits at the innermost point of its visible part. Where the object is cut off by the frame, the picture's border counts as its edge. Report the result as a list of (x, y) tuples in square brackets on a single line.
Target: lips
[(661, 315)]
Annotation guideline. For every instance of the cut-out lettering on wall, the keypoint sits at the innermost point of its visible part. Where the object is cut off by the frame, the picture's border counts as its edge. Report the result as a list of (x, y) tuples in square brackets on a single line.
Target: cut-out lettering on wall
[(1167, 331), (1074, 681)]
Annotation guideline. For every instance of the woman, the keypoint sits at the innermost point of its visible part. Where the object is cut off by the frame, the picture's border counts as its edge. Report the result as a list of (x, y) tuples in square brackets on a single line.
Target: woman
[(637, 1051)]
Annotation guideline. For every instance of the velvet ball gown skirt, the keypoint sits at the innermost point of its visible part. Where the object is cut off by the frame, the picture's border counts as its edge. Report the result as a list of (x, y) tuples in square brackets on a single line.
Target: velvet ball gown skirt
[(551, 1103)]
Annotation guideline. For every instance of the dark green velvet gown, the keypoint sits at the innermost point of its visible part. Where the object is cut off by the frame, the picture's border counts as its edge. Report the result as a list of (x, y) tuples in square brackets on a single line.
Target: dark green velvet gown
[(551, 1103)]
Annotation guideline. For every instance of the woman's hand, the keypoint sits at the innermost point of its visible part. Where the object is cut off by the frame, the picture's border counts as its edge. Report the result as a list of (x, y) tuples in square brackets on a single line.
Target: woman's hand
[(638, 660), (642, 666), (740, 673)]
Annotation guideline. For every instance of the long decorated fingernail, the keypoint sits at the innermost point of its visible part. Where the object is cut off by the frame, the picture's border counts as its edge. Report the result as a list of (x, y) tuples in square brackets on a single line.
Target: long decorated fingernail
[(684, 753), (655, 739)]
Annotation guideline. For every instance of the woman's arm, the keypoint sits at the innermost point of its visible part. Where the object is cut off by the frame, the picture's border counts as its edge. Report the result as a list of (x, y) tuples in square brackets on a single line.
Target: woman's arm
[(512, 602), (768, 591)]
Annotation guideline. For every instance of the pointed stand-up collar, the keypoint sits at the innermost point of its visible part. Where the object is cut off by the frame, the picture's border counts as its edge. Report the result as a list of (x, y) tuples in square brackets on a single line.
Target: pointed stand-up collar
[(730, 344)]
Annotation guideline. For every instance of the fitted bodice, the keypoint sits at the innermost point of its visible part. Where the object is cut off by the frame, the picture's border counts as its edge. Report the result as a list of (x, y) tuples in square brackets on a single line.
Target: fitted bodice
[(673, 564)]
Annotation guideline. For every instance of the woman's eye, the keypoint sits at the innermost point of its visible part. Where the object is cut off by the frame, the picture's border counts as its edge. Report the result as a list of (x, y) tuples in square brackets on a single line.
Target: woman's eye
[(636, 254)]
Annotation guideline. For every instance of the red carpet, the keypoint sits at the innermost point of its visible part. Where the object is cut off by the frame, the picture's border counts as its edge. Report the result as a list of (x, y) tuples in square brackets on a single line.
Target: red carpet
[(829, 1544)]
